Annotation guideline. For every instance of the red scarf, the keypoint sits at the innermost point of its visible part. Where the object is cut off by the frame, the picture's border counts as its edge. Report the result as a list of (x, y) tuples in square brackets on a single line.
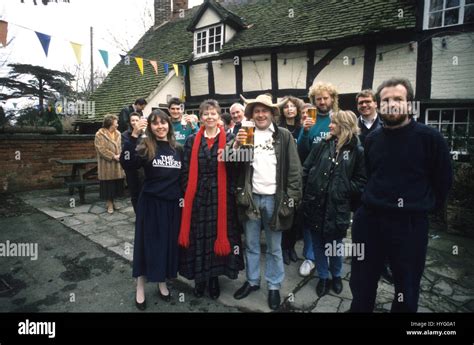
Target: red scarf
[(222, 245)]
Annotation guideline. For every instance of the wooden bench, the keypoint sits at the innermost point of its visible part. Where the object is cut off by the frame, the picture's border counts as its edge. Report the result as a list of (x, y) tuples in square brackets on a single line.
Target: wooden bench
[(81, 186)]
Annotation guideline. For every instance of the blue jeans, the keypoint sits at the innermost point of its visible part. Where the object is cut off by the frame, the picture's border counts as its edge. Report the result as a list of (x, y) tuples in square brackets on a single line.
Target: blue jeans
[(274, 271), (308, 251), (322, 266)]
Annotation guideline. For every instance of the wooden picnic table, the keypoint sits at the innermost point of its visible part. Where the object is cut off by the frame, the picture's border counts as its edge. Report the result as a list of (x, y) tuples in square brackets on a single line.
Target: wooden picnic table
[(79, 177)]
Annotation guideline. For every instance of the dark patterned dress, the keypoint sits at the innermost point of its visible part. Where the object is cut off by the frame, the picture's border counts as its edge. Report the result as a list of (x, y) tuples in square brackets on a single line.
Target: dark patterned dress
[(198, 262)]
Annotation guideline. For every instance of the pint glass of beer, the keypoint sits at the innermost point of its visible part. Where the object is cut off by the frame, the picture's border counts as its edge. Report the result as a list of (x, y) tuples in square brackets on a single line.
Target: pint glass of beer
[(312, 114), (249, 127)]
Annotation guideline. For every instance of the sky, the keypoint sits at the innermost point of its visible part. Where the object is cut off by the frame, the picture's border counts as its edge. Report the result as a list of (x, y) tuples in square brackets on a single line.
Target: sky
[(124, 21)]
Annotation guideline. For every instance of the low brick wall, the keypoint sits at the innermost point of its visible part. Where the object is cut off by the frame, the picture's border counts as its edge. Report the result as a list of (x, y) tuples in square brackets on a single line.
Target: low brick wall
[(27, 160)]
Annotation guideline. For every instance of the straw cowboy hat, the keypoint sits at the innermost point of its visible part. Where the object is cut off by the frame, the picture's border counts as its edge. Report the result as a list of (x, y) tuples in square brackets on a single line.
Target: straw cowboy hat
[(265, 100)]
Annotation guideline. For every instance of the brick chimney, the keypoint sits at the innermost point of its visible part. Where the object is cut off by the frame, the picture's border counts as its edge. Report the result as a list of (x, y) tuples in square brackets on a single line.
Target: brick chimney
[(179, 5), (162, 11)]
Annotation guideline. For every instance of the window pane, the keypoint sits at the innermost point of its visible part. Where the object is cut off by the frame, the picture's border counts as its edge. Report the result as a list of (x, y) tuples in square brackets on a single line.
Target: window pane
[(218, 46), (460, 131), (218, 30), (211, 48), (211, 32), (451, 17), (436, 5), (469, 14), (433, 116), (459, 144), (469, 2), (204, 34), (446, 130), (198, 50), (452, 3), (461, 115), (447, 116), (435, 20), (211, 39), (434, 126)]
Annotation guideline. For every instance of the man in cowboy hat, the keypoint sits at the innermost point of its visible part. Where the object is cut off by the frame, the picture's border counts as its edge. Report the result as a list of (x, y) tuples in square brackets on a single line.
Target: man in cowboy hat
[(268, 190)]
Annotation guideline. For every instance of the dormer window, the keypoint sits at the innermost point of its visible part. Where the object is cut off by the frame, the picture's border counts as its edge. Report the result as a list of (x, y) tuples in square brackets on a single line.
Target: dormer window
[(209, 40), (443, 13)]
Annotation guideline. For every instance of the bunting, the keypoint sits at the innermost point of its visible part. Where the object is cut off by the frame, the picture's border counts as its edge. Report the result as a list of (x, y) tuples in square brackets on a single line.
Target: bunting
[(3, 32), (155, 66), (105, 57), (77, 51), (176, 69), (184, 70), (44, 40), (166, 67), (140, 64)]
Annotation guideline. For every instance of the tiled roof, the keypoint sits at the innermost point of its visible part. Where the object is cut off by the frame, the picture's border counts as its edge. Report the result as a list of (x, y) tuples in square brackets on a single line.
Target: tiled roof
[(271, 24)]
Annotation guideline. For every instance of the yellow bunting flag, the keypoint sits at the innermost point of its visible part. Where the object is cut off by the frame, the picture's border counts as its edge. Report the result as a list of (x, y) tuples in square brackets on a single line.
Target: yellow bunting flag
[(155, 66), (3, 32), (176, 69), (77, 51), (140, 64)]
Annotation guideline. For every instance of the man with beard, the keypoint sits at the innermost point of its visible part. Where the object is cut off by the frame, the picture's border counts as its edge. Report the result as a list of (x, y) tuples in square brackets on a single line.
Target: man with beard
[(409, 174), (368, 122)]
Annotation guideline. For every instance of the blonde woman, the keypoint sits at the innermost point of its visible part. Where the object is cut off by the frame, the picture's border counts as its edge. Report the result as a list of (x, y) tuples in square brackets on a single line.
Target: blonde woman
[(108, 146), (333, 176)]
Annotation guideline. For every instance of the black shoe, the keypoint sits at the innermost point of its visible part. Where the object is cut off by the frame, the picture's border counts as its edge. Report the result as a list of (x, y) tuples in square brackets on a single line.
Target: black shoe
[(214, 289), (199, 289), (165, 298), (286, 257), (245, 290), (140, 306), (387, 274), (337, 285), (293, 256), (273, 299), (323, 287)]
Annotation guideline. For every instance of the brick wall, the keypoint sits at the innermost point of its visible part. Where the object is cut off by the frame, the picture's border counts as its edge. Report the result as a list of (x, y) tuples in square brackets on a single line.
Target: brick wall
[(27, 160)]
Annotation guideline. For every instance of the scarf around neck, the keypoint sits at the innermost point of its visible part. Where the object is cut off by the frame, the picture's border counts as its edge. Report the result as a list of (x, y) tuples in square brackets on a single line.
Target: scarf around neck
[(221, 245)]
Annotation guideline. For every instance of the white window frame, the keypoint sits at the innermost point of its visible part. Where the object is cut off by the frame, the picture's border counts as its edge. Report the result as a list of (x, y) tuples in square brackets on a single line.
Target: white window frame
[(426, 14), (470, 119), (206, 30)]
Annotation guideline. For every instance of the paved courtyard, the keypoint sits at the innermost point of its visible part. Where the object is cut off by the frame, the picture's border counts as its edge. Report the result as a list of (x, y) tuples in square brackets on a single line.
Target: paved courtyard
[(447, 284)]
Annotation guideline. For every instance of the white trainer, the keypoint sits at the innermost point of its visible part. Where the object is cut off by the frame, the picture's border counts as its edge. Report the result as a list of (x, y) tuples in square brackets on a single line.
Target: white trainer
[(306, 267)]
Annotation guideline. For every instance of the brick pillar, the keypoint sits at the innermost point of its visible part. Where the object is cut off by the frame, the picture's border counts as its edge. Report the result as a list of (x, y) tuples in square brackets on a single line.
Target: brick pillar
[(162, 11), (179, 5)]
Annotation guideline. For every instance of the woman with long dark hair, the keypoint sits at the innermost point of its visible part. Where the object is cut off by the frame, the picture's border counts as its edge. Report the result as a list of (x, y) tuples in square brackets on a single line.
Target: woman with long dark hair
[(155, 251), (291, 108), (209, 236)]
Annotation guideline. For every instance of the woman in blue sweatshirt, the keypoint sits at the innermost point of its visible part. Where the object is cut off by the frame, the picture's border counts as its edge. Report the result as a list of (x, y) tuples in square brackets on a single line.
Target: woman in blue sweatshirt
[(155, 252)]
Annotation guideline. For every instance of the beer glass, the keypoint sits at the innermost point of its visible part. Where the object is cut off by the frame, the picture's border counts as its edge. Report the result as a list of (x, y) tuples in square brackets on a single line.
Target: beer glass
[(249, 127), (144, 131), (312, 114)]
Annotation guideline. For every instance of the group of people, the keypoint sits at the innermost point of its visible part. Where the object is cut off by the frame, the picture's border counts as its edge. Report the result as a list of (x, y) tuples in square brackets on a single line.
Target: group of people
[(305, 179)]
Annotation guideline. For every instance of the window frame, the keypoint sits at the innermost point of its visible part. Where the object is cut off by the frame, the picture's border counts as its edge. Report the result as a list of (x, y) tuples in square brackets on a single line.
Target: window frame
[(452, 123), (426, 14), (207, 46)]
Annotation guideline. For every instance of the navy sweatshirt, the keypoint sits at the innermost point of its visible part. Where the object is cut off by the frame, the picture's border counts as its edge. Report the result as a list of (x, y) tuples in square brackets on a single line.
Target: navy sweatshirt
[(408, 169), (162, 174)]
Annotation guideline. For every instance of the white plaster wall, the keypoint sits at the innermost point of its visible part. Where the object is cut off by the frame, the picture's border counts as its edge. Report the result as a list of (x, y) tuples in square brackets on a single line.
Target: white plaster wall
[(174, 86), (397, 61), (292, 75), (198, 75), (256, 73), (347, 78), (224, 76), (453, 67), (208, 18)]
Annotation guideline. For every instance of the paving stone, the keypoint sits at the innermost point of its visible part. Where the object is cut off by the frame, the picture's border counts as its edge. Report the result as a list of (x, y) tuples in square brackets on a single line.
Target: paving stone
[(125, 232), (345, 306), (97, 209), (105, 239), (87, 217), (124, 249), (81, 209), (116, 223), (437, 303), (69, 221), (84, 229), (53, 213), (424, 310), (305, 297), (462, 298), (470, 306), (327, 304), (443, 288), (127, 209), (113, 217), (447, 272)]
